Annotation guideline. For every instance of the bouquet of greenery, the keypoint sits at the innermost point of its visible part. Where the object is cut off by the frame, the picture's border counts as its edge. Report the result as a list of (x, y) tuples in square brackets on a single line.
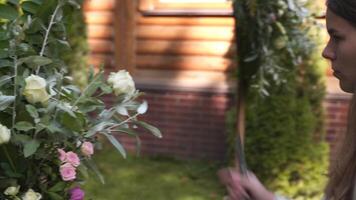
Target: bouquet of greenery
[(48, 125)]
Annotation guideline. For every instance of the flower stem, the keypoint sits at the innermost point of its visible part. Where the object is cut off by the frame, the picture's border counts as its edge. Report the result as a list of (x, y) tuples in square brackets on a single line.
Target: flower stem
[(85, 90), (48, 30), (9, 158), (123, 122), (15, 94)]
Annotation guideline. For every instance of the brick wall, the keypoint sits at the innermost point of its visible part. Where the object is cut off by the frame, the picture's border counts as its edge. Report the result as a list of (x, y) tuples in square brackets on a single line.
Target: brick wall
[(192, 123), (336, 109)]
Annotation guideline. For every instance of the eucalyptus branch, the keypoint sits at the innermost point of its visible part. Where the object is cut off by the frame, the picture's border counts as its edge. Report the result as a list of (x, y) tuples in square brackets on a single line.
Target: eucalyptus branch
[(15, 94), (48, 30), (123, 122), (85, 90)]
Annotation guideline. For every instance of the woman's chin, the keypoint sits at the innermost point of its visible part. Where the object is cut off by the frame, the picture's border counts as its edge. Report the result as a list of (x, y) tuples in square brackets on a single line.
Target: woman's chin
[(349, 88)]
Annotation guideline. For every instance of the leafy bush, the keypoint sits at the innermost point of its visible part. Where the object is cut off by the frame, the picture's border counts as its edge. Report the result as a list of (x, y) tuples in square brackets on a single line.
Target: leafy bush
[(280, 61), (77, 57), (48, 126)]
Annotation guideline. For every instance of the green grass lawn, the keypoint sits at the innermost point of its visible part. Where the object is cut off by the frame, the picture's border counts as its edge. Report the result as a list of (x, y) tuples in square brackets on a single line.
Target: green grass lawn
[(148, 178)]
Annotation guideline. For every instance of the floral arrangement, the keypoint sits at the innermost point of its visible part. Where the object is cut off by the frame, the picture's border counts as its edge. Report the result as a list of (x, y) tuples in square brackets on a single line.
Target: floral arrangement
[(49, 127)]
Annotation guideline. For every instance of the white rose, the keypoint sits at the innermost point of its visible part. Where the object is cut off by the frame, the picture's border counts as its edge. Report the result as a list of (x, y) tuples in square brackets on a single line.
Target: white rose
[(5, 134), (32, 195), (35, 89), (12, 191), (122, 83)]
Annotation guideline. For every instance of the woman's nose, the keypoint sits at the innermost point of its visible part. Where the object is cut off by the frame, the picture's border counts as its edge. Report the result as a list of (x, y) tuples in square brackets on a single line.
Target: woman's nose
[(328, 53)]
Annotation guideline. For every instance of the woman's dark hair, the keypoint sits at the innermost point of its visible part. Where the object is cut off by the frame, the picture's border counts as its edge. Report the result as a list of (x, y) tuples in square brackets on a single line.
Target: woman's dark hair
[(343, 8), (341, 184)]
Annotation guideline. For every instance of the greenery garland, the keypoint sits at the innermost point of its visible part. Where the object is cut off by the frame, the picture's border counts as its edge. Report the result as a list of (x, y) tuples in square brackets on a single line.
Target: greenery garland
[(284, 90)]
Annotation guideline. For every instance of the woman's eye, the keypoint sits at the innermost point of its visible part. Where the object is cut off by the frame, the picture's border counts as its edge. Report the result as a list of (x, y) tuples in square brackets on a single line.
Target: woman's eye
[(336, 38)]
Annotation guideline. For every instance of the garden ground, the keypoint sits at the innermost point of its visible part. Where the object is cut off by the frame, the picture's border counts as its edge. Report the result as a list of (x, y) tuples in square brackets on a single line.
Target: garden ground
[(153, 178)]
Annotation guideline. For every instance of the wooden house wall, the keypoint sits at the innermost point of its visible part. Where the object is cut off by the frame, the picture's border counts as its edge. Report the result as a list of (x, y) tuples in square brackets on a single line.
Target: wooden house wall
[(182, 63)]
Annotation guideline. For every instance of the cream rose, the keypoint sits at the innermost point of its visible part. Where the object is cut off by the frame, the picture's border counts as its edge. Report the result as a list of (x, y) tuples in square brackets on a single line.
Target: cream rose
[(35, 89), (32, 195), (12, 191), (122, 83), (5, 134), (87, 149)]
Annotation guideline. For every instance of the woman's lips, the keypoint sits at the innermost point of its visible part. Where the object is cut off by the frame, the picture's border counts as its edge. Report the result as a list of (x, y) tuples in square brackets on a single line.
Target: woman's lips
[(337, 74)]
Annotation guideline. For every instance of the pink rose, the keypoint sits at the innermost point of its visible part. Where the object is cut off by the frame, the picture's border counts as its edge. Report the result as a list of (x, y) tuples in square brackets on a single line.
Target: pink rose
[(73, 158), (87, 149), (62, 155), (67, 172), (76, 194)]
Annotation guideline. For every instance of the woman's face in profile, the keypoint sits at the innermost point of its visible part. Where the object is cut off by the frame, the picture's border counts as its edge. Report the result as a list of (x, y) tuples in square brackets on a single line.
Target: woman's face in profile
[(341, 50)]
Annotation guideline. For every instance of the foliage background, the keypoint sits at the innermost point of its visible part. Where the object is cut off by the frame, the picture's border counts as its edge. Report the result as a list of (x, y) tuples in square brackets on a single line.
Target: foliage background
[(280, 61), (77, 59)]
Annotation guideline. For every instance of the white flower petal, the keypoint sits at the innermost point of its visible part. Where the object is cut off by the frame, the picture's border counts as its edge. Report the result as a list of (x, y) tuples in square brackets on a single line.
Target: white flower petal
[(142, 108)]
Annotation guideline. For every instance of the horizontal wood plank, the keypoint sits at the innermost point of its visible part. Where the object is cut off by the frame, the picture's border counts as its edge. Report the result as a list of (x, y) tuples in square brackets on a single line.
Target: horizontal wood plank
[(102, 59), (188, 12), (185, 33), (96, 5), (202, 48), (184, 80), (227, 6), (204, 63), (188, 21), (99, 17), (100, 31), (101, 46)]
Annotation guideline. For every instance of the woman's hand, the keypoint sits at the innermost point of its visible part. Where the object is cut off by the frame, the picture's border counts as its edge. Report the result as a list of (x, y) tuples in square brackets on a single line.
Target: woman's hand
[(244, 186)]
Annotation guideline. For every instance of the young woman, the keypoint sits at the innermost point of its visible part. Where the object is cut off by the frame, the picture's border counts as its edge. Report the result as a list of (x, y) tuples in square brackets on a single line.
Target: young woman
[(341, 51)]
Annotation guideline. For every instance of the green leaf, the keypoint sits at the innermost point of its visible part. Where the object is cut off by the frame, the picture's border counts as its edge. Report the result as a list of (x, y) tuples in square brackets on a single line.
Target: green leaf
[(34, 61), (8, 12), (32, 111), (106, 89), (98, 128), (54, 196), (83, 170), (4, 53), (95, 169), (90, 104), (5, 63), (72, 123), (60, 186), (23, 126), (93, 85), (74, 3), (38, 2), (126, 130), (5, 79), (40, 127), (21, 138), (30, 148), (155, 131), (116, 144), (66, 109), (30, 7), (5, 101), (15, 2), (54, 127)]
